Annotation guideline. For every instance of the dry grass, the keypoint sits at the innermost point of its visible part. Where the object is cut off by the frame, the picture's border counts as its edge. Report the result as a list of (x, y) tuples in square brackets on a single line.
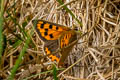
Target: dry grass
[(97, 53)]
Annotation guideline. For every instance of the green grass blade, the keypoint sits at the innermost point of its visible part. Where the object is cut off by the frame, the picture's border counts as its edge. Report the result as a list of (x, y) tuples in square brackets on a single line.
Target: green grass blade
[(19, 59), (1, 27), (55, 73)]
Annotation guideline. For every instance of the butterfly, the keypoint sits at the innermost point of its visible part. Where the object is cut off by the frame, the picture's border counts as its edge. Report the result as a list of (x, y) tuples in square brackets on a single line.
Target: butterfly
[(56, 39)]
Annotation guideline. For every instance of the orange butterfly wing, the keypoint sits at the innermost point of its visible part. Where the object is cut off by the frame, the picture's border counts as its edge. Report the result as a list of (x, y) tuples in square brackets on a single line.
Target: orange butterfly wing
[(50, 33), (48, 30)]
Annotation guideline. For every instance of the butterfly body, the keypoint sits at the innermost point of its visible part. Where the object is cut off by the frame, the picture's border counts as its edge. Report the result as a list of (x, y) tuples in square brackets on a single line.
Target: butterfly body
[(55, 37)]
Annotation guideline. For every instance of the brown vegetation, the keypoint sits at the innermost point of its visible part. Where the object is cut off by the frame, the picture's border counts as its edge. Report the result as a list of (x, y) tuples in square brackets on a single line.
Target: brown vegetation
[(97, 53)]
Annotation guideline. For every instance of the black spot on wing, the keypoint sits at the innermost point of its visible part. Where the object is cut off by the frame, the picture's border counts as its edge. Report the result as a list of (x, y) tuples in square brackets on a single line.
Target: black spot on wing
[(45, 33), (65, 44), (51, 36), (46, 30), (57, 28), (42, 26), (50, 26)]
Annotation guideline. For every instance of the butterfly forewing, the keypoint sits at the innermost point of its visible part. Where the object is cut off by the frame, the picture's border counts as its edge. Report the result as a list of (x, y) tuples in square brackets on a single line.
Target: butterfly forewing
[(48, 30)]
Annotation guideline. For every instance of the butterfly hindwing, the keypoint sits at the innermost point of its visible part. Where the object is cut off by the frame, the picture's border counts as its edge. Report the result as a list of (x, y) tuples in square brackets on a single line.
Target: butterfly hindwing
[(50, 48)]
